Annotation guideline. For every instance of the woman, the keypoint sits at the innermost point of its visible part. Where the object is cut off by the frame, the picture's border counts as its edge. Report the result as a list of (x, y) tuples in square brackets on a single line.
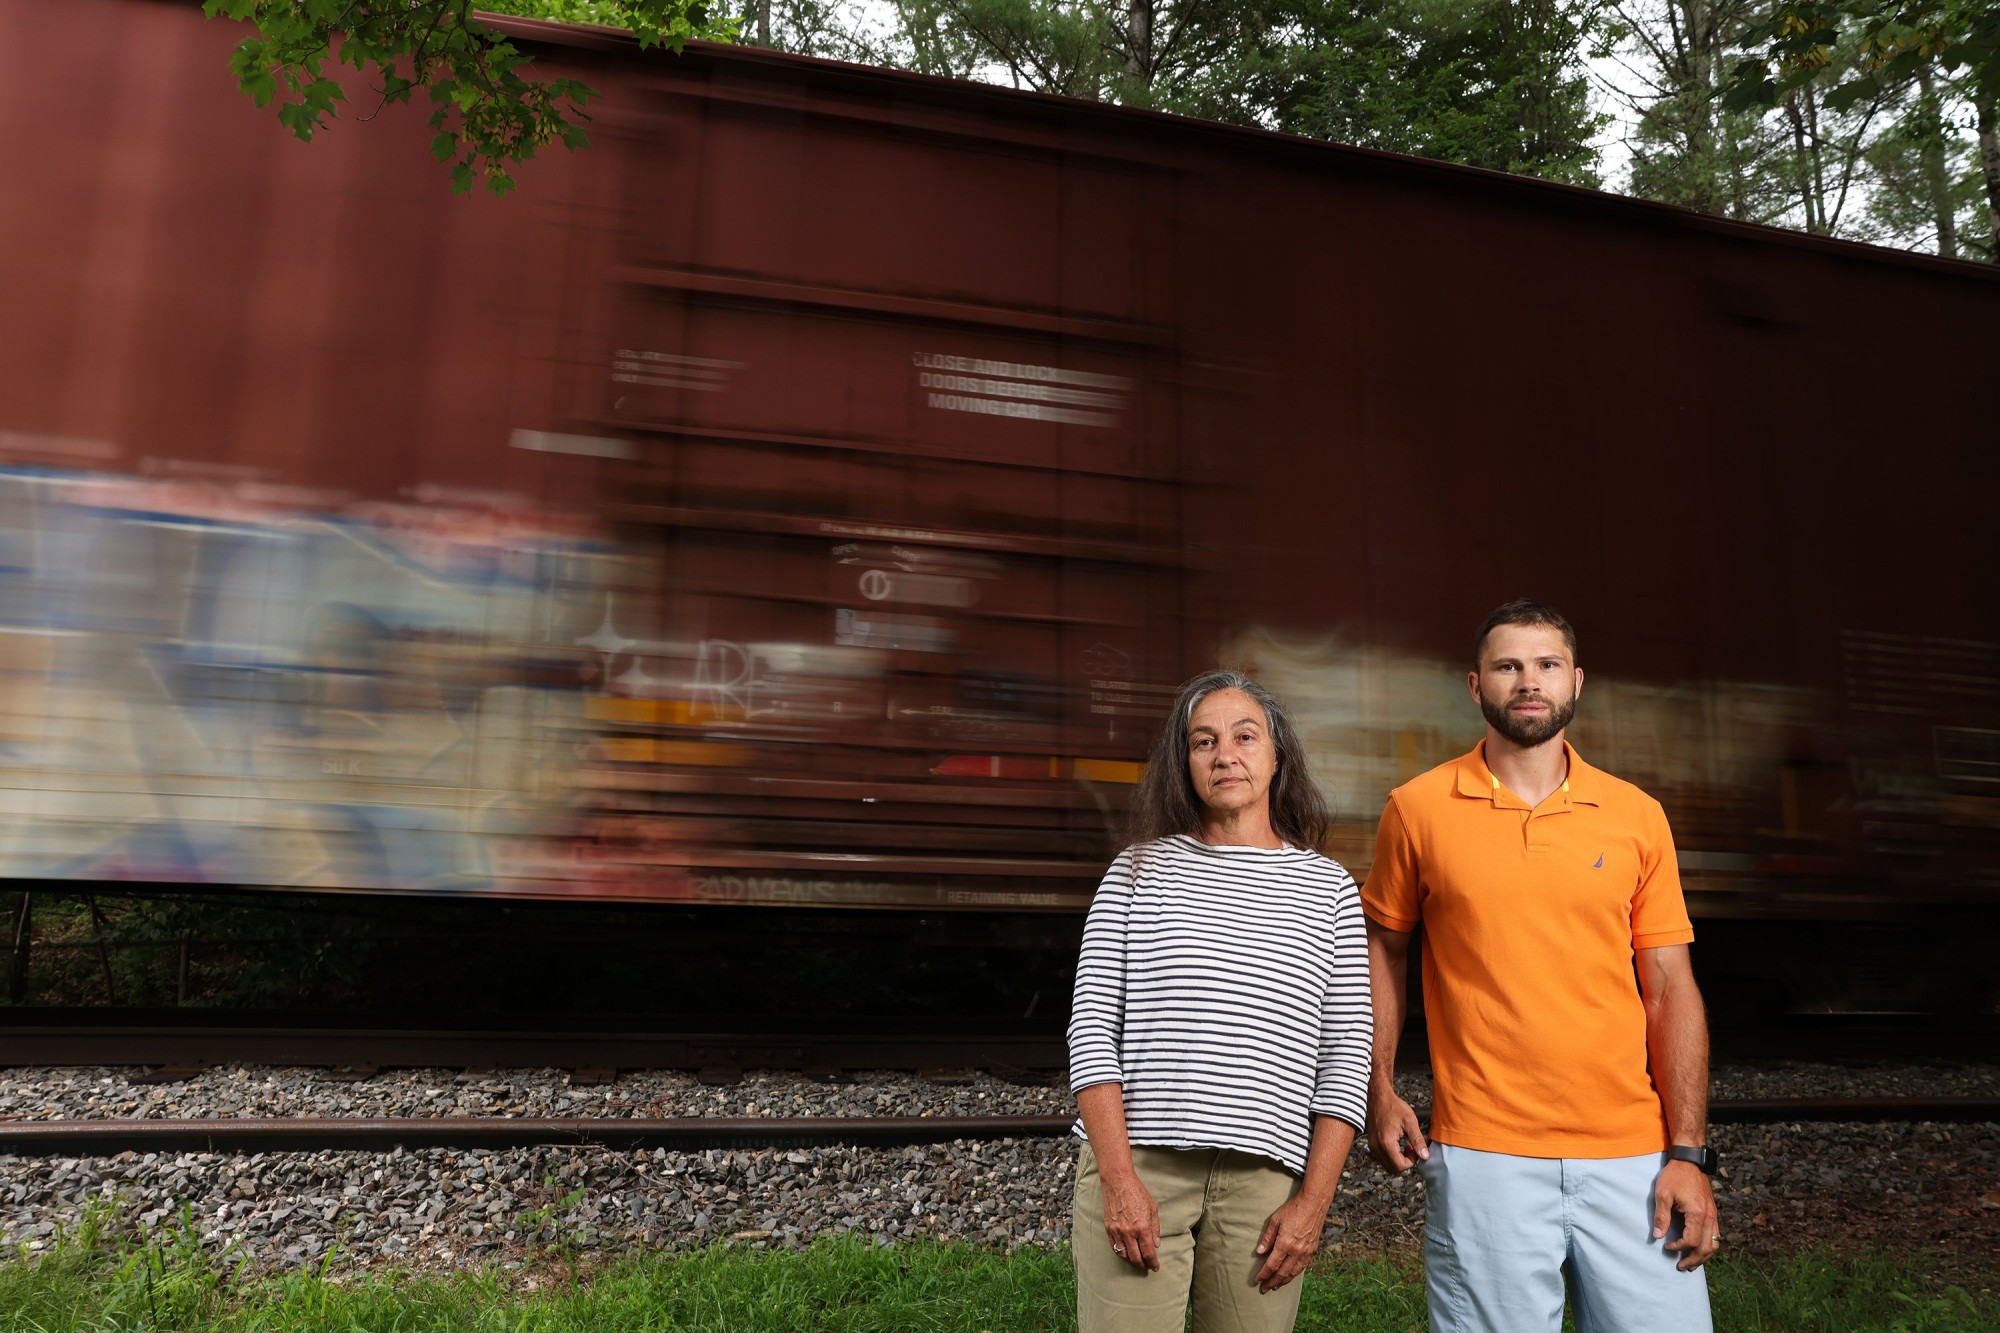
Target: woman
[(1219, 1039)]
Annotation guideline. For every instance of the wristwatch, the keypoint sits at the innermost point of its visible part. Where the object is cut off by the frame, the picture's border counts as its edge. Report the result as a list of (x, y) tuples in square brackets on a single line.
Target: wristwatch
[(1703, 1157)]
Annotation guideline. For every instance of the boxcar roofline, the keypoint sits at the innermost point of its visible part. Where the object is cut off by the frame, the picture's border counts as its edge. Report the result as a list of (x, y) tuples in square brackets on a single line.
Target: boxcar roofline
[(1063, 112)]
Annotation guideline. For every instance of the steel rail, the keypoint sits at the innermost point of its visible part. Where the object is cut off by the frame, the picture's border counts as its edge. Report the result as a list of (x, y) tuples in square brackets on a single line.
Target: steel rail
[(244, 1134), (100, 1137), (191, 1048), (185, 1047)]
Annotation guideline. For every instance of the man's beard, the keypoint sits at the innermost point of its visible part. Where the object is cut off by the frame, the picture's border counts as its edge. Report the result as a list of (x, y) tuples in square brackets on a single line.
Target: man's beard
[(1528, 731)]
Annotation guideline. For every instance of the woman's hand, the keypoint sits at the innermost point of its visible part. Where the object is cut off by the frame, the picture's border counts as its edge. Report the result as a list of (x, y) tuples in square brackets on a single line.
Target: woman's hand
[(1291, 1239), (1131, 1220)]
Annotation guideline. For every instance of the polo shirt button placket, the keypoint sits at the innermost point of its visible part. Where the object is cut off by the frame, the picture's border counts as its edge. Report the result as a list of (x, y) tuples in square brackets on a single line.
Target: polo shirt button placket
[(1535, 829), (1542, 812)]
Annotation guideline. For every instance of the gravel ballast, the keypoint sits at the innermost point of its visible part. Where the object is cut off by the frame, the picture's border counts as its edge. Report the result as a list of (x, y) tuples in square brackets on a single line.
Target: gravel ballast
[(1898, 1186)]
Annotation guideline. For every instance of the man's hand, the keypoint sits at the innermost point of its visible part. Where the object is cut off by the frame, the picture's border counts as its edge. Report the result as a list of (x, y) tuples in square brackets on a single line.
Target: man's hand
[(1291, 1239), (1394, 1136), (1682, 1188), (1131, 1221)]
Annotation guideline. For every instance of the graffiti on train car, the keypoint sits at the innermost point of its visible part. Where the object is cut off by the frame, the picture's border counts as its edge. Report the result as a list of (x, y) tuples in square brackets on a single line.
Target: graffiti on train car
[(1374, 717), (1766, 784), (209, 679)]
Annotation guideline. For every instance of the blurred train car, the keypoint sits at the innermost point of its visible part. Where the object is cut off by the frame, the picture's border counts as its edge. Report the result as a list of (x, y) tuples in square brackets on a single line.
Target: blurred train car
[(811, 492)]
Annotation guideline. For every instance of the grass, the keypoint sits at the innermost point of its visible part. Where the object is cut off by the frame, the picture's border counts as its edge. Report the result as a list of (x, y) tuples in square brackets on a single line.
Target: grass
[(95, 1281)]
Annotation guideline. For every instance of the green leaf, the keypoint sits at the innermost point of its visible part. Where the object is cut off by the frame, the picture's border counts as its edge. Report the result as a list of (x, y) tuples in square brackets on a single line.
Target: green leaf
[(487, 111), (295, 117), (1847, 94)]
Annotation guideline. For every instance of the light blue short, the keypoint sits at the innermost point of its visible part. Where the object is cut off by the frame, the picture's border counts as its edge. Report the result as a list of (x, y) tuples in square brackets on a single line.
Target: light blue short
[(1501, 1233)]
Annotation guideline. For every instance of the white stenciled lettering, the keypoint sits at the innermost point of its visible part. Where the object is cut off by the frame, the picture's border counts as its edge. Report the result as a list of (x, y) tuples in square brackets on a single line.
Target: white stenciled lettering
[(1017, 370), (994, 407), (785, 888), (1005, 389), (1020, 390)]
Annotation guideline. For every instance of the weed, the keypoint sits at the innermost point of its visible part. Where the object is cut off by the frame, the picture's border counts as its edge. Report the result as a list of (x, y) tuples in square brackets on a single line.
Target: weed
[(99, 1278)]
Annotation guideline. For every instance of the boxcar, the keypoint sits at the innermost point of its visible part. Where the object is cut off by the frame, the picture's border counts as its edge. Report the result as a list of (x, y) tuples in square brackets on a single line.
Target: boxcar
[(812, 491)]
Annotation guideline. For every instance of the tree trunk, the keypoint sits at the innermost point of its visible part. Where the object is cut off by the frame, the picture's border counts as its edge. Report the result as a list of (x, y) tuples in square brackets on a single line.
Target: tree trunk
[(103, 950), (1801, 166), (1935, 176), (1989, 166), (1139, 42), (17, 981), (1698, 22), (1818, 145), (764, 23)]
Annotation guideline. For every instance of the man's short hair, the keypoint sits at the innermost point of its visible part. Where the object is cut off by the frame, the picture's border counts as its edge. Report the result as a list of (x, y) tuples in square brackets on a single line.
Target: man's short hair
[(1523, 611)]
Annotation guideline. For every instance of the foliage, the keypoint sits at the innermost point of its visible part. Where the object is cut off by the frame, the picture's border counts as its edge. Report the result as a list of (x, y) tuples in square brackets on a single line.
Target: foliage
[(1489, 83), (100, 1276), (489, 117), (1482, 82), (827, 29), (602, 13), (183, 946), (1844, 117), (1914, 163), (1887, 158), (1486, 83), (1684, 149), (1189, 56), (1820, 1292), (1865, 47), (1856, 51)]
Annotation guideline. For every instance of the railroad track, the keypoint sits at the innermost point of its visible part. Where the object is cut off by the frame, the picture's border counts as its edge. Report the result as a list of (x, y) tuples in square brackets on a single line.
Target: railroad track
[(97, 1138), (177, 1051), (175, 1048)]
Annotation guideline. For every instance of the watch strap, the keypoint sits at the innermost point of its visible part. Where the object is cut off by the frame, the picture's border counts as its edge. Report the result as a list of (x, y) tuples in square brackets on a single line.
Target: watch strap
[(1703, 1157)]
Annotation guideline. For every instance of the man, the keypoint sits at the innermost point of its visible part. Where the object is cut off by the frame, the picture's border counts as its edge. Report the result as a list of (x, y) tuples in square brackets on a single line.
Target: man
[(1569, 1117)]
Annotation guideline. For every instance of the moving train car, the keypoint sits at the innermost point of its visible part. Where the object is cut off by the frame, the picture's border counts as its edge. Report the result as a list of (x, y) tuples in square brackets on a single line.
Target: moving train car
[(813, 491)]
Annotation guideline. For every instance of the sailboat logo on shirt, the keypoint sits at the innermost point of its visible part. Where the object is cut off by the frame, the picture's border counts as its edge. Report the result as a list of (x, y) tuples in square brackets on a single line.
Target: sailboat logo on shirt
[(1600, 862)]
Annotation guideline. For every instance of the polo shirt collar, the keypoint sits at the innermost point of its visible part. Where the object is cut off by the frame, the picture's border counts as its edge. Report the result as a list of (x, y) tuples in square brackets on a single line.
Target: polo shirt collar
[(1583, 786)]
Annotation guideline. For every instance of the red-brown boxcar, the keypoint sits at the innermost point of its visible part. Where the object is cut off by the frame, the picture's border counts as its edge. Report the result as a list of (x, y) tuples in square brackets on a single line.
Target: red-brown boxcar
[(811, 491)]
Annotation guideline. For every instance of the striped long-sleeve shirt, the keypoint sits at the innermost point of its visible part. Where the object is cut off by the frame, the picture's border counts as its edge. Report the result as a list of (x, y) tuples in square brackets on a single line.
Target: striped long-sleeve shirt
[(1226, 988)]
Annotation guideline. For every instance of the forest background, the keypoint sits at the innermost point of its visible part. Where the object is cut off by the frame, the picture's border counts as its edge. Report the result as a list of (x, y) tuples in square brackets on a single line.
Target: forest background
[(1870, 120)]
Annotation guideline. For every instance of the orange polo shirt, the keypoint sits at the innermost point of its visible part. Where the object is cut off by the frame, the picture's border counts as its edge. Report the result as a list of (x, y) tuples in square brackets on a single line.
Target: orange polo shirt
[(1531, 918)]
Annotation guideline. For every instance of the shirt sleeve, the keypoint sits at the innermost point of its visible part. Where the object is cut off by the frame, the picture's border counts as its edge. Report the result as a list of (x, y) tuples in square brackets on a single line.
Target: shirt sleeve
[(1659, 911), (1097, 1008), (1347, 1021), (1391, 896)]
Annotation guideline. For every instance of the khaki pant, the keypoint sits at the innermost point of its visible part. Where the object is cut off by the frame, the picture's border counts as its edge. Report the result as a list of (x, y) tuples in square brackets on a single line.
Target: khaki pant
[(1214, 1205)]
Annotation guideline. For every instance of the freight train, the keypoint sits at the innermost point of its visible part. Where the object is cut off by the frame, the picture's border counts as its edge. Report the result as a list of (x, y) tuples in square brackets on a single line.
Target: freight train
[(812, 491)]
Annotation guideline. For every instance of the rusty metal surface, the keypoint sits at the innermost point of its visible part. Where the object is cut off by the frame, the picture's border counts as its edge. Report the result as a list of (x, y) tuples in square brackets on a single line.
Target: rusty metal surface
[(100, 1137), (195, 1047), (811, 492)]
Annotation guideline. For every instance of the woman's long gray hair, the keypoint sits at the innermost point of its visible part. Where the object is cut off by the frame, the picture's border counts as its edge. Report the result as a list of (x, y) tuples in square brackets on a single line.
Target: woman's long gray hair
[(1166, 803)]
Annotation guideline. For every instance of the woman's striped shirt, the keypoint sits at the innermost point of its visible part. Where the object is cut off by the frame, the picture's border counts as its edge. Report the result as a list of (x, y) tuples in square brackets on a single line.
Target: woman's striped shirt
[(1227, 989)]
